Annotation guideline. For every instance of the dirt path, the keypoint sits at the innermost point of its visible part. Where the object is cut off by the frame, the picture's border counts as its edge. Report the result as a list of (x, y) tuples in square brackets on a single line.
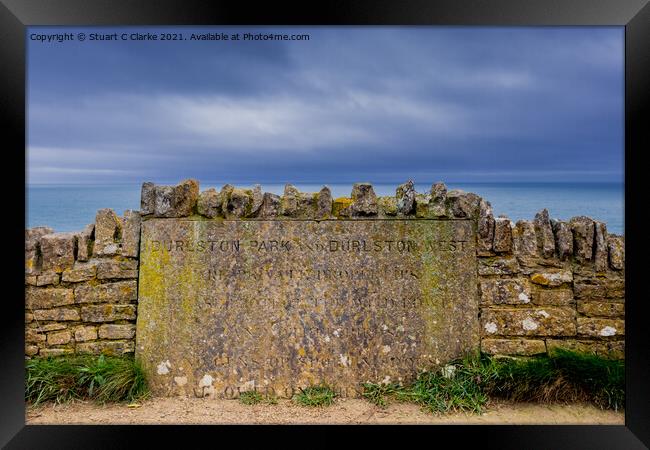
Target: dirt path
[(344, 411)]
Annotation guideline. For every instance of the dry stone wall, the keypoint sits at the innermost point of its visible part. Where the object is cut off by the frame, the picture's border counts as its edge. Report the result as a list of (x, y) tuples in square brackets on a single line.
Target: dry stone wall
[(81, 288), (542, 283)]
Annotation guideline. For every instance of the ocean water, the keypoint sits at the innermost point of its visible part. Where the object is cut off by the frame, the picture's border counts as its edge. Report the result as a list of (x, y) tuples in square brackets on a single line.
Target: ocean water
[(71, 207)]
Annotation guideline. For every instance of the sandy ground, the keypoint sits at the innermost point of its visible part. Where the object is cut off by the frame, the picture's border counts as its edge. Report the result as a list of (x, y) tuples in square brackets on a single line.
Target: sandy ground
[(344, 411)]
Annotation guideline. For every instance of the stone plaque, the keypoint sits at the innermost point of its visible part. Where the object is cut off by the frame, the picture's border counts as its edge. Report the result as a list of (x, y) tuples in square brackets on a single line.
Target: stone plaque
[(232, 305)]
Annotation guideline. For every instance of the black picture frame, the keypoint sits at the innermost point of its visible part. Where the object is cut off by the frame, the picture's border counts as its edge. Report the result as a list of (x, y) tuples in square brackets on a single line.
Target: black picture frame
[(634, 15)]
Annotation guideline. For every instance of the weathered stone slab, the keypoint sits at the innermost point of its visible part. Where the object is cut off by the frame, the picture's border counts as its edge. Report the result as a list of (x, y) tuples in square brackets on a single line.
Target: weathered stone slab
[(33, 258), (79, 272), (107, 313), (505, 292), (118, 292), (601, 309), (85, 333), (548, 321), (552, 279), (117, 331), (521, 347), (109, 348), (610, 349), (58, 251), (49, 277), (588, 326), (108, 230), (230, 305), (85, 242), (59, 337), (42, 298), (559, 297), (61, 314), (131, 234), (116, 269), (498, 266)]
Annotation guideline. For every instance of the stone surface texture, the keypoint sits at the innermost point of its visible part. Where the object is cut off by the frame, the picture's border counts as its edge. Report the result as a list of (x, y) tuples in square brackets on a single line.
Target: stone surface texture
[(233, 305)]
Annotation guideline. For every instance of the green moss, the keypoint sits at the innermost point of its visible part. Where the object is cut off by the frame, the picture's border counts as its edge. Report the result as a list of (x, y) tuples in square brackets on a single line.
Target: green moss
[(321, 395)]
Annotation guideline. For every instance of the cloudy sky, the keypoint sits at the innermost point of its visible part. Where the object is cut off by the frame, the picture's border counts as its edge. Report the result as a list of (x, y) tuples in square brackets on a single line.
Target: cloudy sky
[(381, 104)]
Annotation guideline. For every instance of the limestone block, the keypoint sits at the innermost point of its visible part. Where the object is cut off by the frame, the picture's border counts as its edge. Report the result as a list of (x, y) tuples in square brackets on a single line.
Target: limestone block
[(505, 292), (85, 333), (238, 204), (257, 199), (58, 251), (557, 297), (147, 198), (324, 203), (117, 269), (107, 313), (548, 321), (601, 309), (583, 238), (600, 247), (609, 349), (80, 271), (525, 242), (405, 197), (364, 200), (502, 235), (592, 327), (43, 298), (209, 203), (438, 203), (270, 206), (387, 205), (520, 347), (463, 204), (544, 233), (563, 239), (486, 228), (616, 247), (108, 232), (54, 326), (117, 292), (85, 242), (131, 234), (109, 348), (32, 336), (589, 291), (59, 337), (60, 314), (422, 206), (176, 201), (117, 331), (45, 352), (33, 259), (552, 279), (498, 266), (47, 278)]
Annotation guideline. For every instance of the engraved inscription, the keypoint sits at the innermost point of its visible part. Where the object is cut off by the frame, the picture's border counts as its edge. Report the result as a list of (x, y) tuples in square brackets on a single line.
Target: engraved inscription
[(234, 305)]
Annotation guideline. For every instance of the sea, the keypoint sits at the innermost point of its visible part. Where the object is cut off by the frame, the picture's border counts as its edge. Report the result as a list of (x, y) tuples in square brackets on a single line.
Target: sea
[(71, 207)]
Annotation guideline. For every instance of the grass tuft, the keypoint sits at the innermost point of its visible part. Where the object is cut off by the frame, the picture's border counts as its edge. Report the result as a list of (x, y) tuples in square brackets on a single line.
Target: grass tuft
[(467, 384), (254, 398), (565, 376), (84, 377), (321, 395)]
